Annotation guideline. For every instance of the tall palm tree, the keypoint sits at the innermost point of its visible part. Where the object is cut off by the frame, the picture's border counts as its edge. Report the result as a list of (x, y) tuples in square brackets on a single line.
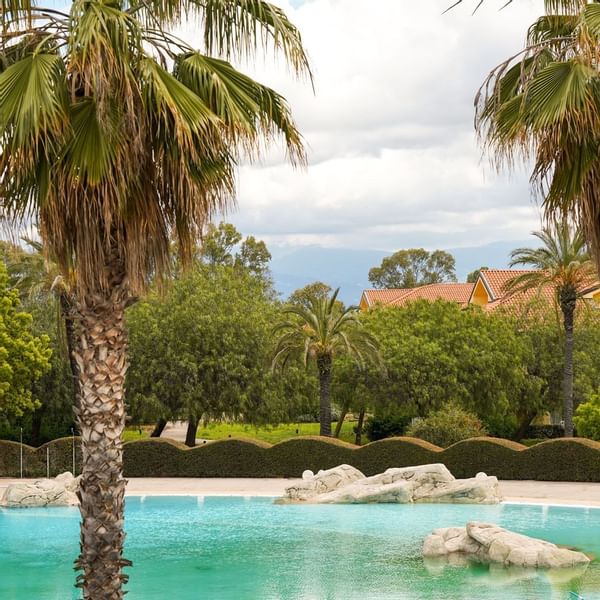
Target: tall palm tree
[(320, 330), (543, 104), (117, 136), (563, 264)]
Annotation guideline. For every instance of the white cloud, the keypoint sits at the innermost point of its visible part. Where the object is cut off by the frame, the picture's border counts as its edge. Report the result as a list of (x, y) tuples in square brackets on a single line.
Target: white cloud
[(393, 157)]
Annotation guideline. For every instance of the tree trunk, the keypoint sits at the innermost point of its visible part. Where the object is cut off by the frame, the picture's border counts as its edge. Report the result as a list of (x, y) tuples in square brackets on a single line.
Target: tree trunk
[(159, 428), (524, 422), (101, 356), (359, 426), (67, 314), (324, 367), (568, 299), (36, 427), (340, 422), (190, 434)]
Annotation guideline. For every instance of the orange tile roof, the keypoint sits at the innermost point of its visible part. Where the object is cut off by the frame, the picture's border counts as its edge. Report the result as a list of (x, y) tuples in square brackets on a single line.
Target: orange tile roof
[(496, 279), (451, 292), (522, 299), (383, 296)]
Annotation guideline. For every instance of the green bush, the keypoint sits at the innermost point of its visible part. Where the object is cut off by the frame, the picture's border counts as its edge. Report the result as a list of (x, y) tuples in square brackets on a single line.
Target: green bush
[(447, 426), (380, 427), (587, 418), (572, 459)]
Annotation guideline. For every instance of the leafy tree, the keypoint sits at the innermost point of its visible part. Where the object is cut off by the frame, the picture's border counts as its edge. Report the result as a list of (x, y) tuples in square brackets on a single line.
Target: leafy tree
[(587, 418), (39, 290), (254, 256), (24, 357), (201, 351), (542, 105), (352, 390), (219, 248), (563, 264), (54, 418), (303, 296), (219, 243), (434, 351), (113, 155), (322, 331), (473, 276), (412, 268), (39, 281)]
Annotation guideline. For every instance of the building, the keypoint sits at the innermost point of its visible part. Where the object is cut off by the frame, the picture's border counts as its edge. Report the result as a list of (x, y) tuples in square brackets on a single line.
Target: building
[(489, 292)]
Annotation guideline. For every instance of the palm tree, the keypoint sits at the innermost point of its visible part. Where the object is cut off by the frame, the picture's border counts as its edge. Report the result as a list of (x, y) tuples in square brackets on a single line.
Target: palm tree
[(117, 137), (543, 104), (321, 330), (563, 264), (36, 277)]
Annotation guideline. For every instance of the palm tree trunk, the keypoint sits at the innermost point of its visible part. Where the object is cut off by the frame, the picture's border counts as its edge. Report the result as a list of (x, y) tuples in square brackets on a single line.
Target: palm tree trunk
[(158, 428), (101, 356), (568, 299), (190, 434), (324, 368), (359, 426)]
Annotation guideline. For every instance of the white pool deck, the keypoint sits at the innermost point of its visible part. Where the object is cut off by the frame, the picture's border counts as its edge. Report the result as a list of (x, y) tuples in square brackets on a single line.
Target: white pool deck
[(530, 492)]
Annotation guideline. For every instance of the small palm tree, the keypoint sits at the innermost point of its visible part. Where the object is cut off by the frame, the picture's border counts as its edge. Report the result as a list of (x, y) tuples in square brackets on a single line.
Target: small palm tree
[(320, 331), (37, 277), (563, 264), (117, 138)]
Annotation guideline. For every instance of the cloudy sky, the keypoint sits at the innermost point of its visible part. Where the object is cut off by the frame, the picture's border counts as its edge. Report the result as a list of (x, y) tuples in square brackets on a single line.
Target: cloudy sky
[(394, 162)]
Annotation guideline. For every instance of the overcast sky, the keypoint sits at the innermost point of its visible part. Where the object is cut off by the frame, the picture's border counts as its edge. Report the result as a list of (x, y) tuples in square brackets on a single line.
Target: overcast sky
[(394, 161)]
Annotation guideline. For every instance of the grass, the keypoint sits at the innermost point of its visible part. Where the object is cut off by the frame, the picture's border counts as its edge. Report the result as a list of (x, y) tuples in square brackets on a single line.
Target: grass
[(269, 433), (266, 433)]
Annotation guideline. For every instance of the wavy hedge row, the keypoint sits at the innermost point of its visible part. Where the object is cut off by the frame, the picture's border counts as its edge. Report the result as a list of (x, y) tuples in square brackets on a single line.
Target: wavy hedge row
[(555, 460)]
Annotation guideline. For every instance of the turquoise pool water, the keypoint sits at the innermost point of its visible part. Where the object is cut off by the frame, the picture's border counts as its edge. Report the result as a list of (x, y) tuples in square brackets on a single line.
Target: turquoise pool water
[(185, 548)]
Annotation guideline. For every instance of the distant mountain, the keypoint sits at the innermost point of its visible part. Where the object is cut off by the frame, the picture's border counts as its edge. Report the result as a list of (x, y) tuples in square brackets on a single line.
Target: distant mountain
[(348, 269)]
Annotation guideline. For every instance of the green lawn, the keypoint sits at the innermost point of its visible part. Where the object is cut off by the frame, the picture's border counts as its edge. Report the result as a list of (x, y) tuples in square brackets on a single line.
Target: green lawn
[(266, 433), (269, 433)]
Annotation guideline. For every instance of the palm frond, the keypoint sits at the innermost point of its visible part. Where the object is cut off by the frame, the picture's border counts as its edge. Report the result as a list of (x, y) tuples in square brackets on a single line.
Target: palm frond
[(236, 27), (247, 108), (33, 99)]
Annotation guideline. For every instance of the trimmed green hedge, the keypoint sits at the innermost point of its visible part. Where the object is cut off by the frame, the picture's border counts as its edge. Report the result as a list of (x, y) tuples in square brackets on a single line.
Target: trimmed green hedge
[(58, 454), (555, 460)]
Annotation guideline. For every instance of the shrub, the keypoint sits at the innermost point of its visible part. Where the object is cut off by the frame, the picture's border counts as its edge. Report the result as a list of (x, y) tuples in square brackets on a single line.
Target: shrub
[(447, 426), (587, 418), (380, 427), (545, 432)]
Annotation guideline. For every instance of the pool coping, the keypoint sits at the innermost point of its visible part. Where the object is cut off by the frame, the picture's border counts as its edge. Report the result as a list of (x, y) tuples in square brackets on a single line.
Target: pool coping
[(544, 493)]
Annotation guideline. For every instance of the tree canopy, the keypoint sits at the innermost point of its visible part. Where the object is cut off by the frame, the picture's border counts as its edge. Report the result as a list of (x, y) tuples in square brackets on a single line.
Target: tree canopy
[(434, 352), (201, 350), (24, 357), (412, 268)]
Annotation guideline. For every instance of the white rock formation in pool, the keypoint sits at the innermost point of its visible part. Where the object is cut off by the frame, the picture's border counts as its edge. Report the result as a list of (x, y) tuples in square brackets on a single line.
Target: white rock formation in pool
[(425, 483), (61, 491), (489, 543)]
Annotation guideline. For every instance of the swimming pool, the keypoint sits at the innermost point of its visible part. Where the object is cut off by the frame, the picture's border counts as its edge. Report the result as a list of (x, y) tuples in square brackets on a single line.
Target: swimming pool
[(217, 548)]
